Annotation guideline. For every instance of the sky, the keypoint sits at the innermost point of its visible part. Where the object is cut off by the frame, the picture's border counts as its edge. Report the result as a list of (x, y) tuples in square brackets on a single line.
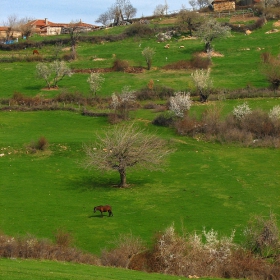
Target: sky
[(64, 11)]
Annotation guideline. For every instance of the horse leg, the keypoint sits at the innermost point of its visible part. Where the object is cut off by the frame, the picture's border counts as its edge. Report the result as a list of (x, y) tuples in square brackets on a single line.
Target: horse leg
[(101, 214), (110, 213)]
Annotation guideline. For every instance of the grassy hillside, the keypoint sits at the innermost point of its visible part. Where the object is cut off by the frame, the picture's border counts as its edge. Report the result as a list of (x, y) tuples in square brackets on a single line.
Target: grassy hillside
[(204, 185), (40, 270), (238, 67)]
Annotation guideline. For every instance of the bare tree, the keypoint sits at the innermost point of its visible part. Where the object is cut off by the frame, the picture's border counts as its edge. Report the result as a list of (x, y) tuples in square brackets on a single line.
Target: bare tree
[(124, 147), (159, 10), (53, 72), (25, 27), (193, 4), (271, 69), (74, 32), (11, 23), (104, 18), (188, 21), (121, 10), (148, 54), (210, 30)]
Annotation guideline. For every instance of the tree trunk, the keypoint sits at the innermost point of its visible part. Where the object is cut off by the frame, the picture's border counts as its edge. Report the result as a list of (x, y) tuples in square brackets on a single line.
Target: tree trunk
[(208, 47), (123, 178)]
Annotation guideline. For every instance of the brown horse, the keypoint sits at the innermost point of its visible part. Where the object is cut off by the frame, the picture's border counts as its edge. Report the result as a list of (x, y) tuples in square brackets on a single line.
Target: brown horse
[(36, 52), (105, 208)]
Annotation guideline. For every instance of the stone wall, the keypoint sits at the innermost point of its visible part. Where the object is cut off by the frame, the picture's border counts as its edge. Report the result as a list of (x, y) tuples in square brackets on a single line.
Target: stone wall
[(224, 6)]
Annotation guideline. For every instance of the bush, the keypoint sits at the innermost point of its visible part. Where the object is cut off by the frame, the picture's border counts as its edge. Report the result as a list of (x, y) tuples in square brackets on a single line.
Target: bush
[(164, 119), (198, 62), (187, 126), (41, 145), (120, 65), (126, 247), (138, 29), (262, 236)]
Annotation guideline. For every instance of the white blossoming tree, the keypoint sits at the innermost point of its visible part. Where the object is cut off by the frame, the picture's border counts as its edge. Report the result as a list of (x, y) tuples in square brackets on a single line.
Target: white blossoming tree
[(122, 102), (95, 81), (53, 72), (180, 103), (203, 83), (241, 111), (210, 30), (274, 113)]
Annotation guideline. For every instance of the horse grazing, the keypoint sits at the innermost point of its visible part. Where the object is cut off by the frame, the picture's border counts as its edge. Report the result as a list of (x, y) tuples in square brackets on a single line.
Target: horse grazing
[(105, 208), (36, 52)]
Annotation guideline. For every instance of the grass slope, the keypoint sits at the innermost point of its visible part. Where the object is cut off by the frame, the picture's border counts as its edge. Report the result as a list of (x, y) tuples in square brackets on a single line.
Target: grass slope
[(205, 184), (46, 270), (239, 67)]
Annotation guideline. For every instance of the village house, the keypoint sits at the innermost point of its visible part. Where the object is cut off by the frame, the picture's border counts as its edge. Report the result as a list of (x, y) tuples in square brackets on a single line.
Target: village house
[(44, 27)]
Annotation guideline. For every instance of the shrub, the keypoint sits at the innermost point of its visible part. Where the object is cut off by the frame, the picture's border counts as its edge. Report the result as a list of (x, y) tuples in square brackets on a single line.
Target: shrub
[(126, 247), (120, 65), (63, 238), (164, 119), (211, 120), (259, 124), (41, 145), (138, 30), (262, 236), (187, 126), (198, 62)]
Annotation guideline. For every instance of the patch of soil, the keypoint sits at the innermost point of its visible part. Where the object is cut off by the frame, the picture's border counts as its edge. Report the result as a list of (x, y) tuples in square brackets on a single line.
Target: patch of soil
[(276, 24), (213, 54), (242, 19), (48, 89)]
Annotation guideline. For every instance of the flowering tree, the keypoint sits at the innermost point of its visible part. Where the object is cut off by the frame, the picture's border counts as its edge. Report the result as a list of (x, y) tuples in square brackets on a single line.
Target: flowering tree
[(53, 72), (203, 83), (210, 30), (148, 54), (274, 113), (241, 111), (95, 81), (124, 147), (180, 103), (123, 101)]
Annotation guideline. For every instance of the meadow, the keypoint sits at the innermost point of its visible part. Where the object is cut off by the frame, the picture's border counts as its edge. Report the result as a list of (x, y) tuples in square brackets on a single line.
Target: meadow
[(205, 185)]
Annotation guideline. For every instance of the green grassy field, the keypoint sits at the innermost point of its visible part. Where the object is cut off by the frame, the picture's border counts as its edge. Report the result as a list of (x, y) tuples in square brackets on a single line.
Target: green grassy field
[(237, 68), (41, 270), (205, 184)]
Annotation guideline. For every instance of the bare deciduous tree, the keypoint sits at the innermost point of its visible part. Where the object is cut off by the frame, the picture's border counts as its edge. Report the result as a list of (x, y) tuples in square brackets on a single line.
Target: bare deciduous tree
[(53, 72), (188, 21), (11, 24), (25, 27), (124, 147), (121, 10)]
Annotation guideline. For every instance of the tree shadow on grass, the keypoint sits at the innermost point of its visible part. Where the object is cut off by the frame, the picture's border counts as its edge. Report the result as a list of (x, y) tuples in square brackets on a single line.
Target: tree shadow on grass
[(103, 181)]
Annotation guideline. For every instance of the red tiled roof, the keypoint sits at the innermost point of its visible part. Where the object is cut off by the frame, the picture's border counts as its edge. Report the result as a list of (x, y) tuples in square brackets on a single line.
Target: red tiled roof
[(3, 28)]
